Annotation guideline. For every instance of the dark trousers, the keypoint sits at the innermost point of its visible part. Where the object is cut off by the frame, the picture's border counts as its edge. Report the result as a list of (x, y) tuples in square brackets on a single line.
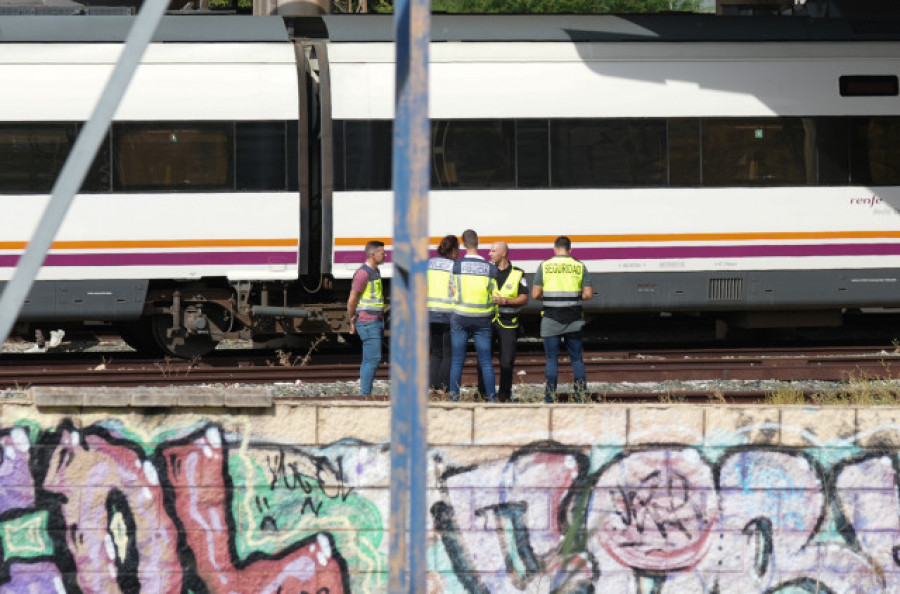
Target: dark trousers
[(504, 341), (440, 355)]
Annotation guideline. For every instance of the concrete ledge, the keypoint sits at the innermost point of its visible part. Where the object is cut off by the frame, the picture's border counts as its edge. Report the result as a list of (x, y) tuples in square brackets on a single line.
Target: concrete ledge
[(187, 397)]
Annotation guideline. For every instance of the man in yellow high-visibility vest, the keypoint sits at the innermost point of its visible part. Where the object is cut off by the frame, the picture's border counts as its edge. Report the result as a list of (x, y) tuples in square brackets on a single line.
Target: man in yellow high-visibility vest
[(562, 282), (474, 283), (365, 311)]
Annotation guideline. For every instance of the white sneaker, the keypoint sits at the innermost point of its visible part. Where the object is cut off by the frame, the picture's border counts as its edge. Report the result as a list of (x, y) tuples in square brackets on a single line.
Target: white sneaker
[(56, 337)]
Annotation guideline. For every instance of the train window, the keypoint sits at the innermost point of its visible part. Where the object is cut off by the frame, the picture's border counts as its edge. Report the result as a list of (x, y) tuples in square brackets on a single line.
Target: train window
[(473, 154), (172, 156), (533, 153), (32, 156), (367, 154), (607, 153), (260, 152), (758, 152), (833, 146), (684, 152), (292, 155), (875, 151)]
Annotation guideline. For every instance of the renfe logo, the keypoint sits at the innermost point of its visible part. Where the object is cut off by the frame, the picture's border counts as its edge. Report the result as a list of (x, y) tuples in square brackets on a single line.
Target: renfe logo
[(872, 201)]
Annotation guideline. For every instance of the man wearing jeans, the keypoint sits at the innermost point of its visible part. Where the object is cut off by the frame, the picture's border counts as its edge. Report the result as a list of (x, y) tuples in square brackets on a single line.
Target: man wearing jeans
[(474, 282), (365, 309), (562, 282)]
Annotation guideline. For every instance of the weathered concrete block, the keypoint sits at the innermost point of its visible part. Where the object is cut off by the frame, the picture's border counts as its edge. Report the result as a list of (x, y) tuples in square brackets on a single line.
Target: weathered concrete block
[(57, 397), (804, 426), (878, 427), (364, 422), (288, 423), (588, 425), (201, 399), (511, 424), (727, 426), (450, 424), (653, 424)]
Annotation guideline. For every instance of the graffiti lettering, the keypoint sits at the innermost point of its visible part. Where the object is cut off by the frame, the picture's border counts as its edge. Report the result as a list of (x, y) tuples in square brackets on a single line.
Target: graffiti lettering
[(105, 508)]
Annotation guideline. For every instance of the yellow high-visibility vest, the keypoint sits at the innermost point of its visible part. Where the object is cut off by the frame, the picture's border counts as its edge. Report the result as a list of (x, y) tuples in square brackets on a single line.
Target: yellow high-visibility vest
[(563, 277), (440, 273), (372, 299), (510, 290), (476, 281)]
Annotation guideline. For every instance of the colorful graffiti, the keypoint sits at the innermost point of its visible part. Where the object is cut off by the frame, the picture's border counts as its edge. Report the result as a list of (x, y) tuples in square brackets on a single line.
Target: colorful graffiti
[(203, 509)]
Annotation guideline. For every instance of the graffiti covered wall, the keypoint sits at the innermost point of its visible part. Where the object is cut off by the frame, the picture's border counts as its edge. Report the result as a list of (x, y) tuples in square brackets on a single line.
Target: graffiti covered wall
[(642, 499)]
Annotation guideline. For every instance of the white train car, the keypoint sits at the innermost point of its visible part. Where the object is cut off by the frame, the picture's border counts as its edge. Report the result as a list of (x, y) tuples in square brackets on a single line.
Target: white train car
[(193, 200), (745, 168), (697, 163)]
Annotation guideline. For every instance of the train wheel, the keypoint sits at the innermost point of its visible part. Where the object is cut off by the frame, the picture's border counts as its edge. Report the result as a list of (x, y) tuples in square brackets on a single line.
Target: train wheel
[(195, 345)]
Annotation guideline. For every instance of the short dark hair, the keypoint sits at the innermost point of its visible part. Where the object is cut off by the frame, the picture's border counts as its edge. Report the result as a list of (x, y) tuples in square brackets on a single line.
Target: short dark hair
[(470, 238), (372, 247), (563, 242), (448, 244)]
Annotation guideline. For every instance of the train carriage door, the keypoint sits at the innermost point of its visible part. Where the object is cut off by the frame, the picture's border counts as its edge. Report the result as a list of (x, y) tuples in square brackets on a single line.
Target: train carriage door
[(315, 159)]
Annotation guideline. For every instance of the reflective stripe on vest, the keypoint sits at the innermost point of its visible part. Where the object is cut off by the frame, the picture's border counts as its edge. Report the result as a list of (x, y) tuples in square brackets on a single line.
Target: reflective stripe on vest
[(475, 284), (562, 281), (372, 299), (510, 290), (440, 271)]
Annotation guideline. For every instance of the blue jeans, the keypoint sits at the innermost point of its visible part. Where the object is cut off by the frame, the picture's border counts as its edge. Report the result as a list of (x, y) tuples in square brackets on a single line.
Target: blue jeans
[(575, 346), (481, 335), (370, 333)]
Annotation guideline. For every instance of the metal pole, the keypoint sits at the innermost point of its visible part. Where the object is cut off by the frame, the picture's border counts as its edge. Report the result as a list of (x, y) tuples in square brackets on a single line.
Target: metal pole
[(79, 160), (409, 316)]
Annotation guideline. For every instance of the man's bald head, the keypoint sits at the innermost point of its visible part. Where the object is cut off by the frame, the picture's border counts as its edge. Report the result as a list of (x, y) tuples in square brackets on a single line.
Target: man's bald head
[(499, 251)]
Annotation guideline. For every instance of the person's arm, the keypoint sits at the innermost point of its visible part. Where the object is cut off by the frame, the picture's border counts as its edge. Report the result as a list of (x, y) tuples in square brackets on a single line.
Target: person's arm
[(537, 292), (587, 287), (517, 301), (352, 302)]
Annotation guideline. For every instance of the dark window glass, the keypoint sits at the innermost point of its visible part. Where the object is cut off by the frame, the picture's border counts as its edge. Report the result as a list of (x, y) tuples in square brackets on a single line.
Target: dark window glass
[(833, 147), (99, 176), (260, 155), (367, 150), (173, 156), (292, 156), (684, 152), (758, 152), (875, 151), (607, 153), (337, 155), (533, 153), (473, 154), (32, 155)]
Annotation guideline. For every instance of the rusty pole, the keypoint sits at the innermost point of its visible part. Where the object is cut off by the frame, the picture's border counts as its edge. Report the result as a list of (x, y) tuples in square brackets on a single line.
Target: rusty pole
[(409, 315)]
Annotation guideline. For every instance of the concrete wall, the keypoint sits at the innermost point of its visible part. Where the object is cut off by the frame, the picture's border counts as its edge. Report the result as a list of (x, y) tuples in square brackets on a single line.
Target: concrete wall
[(294, 498)]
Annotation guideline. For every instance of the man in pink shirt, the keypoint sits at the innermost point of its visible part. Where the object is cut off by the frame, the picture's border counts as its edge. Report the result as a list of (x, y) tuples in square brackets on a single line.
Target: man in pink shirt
[(365, 309)]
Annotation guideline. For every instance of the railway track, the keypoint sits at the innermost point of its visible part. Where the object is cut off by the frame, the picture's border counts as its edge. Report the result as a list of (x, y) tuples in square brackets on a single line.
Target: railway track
[(604, 368)]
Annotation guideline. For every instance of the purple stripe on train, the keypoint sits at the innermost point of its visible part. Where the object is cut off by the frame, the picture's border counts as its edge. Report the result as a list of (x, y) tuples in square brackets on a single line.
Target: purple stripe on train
[(163, 259), (684, 251)]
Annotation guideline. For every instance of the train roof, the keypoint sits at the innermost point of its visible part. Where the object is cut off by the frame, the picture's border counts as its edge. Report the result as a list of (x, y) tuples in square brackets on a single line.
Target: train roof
[(211, 28), (111, 29), (596, 28)]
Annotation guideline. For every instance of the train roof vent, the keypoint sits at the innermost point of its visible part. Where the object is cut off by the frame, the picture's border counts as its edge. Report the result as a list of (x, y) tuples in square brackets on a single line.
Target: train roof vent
[(726, 289)]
